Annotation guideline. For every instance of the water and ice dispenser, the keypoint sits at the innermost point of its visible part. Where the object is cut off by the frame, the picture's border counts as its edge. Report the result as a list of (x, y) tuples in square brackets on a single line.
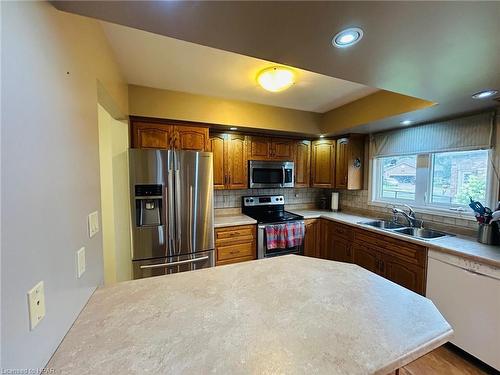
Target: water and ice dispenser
[(148, 205)]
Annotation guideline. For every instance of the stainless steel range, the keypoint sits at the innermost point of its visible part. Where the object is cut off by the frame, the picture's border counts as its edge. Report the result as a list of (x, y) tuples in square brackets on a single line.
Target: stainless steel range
[(269, 210)]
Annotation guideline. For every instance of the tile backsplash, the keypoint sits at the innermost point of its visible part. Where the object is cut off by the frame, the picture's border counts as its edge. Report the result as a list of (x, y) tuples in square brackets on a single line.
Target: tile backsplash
[(358, 201), (232, 198)]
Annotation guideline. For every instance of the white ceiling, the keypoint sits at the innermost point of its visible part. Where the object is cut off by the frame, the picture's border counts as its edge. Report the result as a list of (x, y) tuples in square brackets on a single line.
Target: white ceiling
[(158, 61)]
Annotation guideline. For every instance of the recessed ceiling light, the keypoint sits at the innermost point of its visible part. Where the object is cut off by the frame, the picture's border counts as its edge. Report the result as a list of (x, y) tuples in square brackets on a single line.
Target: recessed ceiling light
[(484, 94), (276, 78), (406, 122), (347, 37), (322, 136), (233, 128)]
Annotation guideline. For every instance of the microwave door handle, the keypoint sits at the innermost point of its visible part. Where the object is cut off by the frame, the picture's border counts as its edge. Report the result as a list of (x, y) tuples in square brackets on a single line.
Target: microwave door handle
[(283, 174)]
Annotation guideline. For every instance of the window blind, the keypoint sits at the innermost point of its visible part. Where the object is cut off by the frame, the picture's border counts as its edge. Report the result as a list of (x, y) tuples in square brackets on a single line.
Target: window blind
[(465, 133)]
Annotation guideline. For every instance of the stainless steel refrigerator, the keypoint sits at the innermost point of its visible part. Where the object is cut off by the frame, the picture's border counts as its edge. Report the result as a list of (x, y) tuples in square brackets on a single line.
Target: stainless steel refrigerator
[(172, 211)]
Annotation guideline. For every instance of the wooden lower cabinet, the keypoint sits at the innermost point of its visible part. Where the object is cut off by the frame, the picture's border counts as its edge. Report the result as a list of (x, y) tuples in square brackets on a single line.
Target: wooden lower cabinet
[(312, 238), (401, 262), (365, 257), (235, 244), (336, 241), (406, 274)]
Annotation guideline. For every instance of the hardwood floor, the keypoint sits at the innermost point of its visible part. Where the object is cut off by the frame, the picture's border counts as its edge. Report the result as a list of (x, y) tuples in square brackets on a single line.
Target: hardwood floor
[(446, 360)]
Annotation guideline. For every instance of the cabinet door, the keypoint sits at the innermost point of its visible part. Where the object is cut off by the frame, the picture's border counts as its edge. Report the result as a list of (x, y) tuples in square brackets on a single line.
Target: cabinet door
[(342, 156), (281, 149), (323, 163), (405, 274), (259, 148), (355, 162), (191, 138), (302, 163), (365, 257), (341, 250), (151, 135), (218, 148), (312, 238), (237, 162)]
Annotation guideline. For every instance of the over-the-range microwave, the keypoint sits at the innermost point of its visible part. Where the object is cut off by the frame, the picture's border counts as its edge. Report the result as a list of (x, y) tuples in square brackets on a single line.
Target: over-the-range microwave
[(270, 174)]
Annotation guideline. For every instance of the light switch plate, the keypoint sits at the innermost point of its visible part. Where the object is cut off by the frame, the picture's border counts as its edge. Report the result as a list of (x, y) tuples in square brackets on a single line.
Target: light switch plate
[(93, 224), (80, 262), (36, 304)]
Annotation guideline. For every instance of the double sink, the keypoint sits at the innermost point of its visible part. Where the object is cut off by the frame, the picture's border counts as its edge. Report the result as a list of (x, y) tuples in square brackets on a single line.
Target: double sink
[(391, 226)]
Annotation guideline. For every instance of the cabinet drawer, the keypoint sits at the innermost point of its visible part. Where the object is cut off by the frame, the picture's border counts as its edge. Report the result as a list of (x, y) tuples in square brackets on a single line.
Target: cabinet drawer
[(404, 250), (245, 249), (234, 232), (342, 230)]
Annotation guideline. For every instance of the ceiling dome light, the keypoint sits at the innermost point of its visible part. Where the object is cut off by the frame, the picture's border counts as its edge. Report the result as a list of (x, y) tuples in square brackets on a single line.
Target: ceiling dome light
[(406, 122), (276, 78), (484, 94), (347, 37)]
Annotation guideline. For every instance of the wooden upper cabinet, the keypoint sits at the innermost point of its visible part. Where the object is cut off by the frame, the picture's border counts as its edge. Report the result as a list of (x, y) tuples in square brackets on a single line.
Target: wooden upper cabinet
[(217, 147), (341, 163), (191, 138), (237, 162), (149, 135), (259, 148), (161, 135), (281, 149), (349, 162), (323, 163), (230, 160), (262, 148), (302, 160)]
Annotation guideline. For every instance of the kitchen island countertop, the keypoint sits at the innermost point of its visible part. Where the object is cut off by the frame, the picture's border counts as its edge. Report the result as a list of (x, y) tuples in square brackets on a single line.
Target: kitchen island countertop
[(288, 314)]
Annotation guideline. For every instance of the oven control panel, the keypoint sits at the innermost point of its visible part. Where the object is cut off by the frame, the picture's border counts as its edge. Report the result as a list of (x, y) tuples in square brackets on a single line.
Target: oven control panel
[(263, 200)]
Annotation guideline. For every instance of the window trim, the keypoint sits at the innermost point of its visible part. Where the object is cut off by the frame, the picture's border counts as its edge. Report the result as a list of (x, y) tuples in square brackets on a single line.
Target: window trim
[(424, 173)]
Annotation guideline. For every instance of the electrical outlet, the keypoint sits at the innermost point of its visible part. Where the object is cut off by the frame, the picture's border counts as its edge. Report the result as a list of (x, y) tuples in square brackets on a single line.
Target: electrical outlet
[(36, 304), (80, 262), (93, 224)]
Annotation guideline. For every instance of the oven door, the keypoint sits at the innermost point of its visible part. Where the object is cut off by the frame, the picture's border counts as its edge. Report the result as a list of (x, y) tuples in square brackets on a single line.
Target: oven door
[(264, 252), (270, 174)]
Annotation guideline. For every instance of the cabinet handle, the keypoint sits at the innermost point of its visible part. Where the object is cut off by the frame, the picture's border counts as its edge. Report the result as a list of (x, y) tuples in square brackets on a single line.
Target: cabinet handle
[(382, 266), (377, 264), (234, 234)]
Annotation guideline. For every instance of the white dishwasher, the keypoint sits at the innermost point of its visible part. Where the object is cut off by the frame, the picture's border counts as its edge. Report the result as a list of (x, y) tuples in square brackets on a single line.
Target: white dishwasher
[(468, 295)]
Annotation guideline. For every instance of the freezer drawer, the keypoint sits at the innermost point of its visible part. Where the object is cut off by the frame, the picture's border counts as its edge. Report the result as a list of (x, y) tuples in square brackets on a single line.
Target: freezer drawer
[(470, 302), (165, 266)]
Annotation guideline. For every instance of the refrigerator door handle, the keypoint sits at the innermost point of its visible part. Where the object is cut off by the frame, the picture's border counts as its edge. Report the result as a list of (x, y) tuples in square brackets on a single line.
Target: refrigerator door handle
[(173, 264), (171, 218), (176, 206), (191, 222)]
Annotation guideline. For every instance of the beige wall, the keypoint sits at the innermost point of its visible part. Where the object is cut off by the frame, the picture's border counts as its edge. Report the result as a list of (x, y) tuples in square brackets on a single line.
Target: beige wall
[(115, 197), (52, 65), (150, 102), (374, 107)]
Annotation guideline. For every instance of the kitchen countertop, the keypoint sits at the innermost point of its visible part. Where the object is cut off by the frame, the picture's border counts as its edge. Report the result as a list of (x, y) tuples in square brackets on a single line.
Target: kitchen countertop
[(232, 220), (287, 315), (457, 245)]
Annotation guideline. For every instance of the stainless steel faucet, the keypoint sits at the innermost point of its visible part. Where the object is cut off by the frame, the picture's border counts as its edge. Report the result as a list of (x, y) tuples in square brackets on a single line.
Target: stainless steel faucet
[(410, 216)]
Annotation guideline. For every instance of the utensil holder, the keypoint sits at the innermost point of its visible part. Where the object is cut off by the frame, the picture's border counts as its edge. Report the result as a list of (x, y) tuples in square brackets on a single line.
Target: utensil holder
[(488, 234)]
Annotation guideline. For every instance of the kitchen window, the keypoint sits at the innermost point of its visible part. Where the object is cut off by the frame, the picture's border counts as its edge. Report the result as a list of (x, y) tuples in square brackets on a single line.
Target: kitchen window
[(438, 181), (437, 166)]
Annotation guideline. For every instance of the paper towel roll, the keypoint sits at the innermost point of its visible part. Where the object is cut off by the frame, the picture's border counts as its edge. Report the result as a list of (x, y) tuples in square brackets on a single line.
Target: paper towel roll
[(335, 202)]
